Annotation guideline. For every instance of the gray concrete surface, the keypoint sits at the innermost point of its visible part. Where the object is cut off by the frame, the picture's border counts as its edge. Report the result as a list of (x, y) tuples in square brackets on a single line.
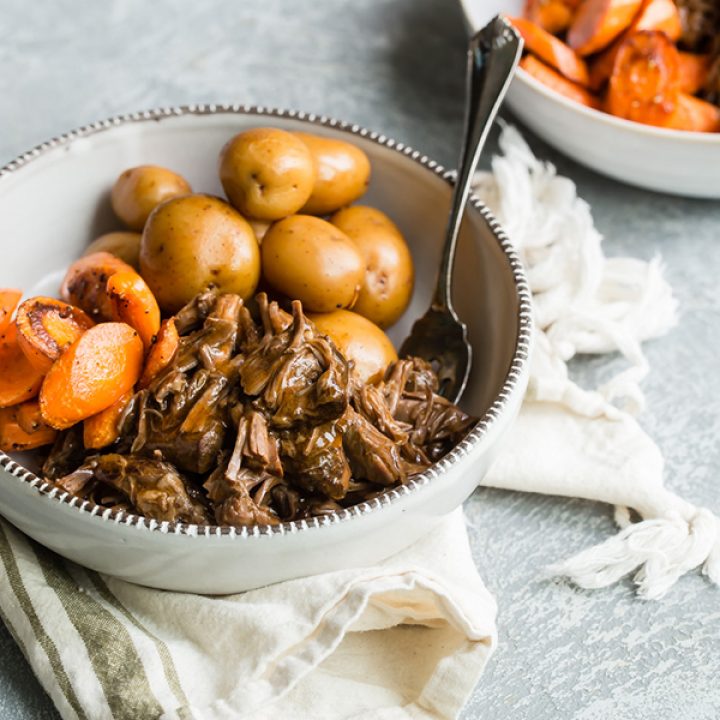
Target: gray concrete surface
[(396, 66)]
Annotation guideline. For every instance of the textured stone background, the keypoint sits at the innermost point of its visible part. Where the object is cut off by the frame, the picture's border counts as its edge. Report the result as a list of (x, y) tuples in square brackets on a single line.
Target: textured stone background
[(396, 66)]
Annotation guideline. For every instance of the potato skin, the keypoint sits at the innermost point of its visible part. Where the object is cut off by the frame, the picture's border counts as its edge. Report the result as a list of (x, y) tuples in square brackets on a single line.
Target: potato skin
[(124, 245), (195, 241), (342, 173), (358, 340), (266, 173), (389, 274), (310, 260), (139, 190), (260, 227)]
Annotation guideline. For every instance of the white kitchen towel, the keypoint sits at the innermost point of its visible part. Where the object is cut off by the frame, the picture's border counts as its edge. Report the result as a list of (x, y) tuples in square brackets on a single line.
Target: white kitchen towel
[(586, 443), (406, 639)]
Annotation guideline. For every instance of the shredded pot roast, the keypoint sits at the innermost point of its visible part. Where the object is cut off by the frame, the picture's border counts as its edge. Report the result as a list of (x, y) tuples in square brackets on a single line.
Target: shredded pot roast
[(260, 420)]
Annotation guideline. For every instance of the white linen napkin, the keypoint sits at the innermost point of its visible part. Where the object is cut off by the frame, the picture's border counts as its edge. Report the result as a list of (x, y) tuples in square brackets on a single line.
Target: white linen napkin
[(405, 639), (586, 443)]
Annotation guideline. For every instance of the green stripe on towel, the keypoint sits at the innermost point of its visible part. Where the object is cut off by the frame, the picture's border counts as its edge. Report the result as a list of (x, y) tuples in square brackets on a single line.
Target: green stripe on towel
[(116, 662), (171, 674), (45, 641)]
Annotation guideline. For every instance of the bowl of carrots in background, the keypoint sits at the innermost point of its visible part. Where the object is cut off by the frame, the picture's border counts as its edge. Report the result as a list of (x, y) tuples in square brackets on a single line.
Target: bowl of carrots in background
[(630, 88)]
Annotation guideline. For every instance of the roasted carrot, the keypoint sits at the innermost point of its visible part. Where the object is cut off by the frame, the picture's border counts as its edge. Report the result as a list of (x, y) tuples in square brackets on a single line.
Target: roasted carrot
[(19, 380), (161, 353), (662, 15), (552, 51), (85, 283), (93, 373), (598, 22), (8, 302), (644, 81), (695, 114), (554, 16), (133, 303), (552, 79), (694, 71), (22, 428), (103, 429), (46, 327)]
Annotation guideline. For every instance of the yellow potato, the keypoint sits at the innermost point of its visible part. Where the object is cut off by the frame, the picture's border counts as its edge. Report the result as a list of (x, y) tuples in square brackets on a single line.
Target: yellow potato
[(389, 273), (310, 260), (358, 340), (267, 173), (342, 173), (139, 190), (124, 245), (192, 242)]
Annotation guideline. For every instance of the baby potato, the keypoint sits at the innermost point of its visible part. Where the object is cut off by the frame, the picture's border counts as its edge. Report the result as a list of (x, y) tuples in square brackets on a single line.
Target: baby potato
[(267, 173), (358, 340), (124, 245), (389, 272), (195, 241), (139, 190), (310, 260), (342, 173)]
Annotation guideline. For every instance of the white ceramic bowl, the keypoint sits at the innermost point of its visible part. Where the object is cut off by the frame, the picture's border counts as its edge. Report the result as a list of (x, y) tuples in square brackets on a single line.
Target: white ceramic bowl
[(672, 161), (54, 199)]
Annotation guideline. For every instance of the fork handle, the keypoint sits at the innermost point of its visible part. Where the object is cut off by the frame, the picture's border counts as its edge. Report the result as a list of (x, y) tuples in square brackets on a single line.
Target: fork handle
[(493, 54)]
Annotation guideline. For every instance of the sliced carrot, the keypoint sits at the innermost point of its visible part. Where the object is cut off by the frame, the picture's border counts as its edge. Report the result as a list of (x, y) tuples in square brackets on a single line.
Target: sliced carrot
[(161, 353), (9, 300), (103, 429), (85, 284), (645, 77), (47, 327), (695, 115), (22, 428), (552, 79), (694, 71), (554, 16), (598, 22), (133, 303), (19, 380), (552, 51), (93, 373), (662, 15)]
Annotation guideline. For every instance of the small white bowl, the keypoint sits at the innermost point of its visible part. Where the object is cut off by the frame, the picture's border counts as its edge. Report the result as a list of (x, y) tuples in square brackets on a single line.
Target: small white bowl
[(672, 161), (54, 200)]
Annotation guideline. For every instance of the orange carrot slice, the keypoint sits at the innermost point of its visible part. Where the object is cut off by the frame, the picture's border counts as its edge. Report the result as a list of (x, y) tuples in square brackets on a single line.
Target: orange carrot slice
[(598, 22), (662, 15), (694, 71), (161, 353), (552, 79), (644, 81), (554, 16), (695, 114), (93, 373), (19, 380), (22, 428), (85, 284), (47, 327), (552, 51), (103, 429), (8, 302), (133, 303)]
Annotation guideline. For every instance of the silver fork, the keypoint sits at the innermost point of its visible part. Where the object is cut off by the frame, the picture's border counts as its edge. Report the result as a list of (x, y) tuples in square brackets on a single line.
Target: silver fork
[(439, 336)]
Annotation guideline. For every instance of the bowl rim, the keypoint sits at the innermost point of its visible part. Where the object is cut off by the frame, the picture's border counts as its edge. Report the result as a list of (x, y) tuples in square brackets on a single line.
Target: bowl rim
[(513, 382), (661, 133)]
